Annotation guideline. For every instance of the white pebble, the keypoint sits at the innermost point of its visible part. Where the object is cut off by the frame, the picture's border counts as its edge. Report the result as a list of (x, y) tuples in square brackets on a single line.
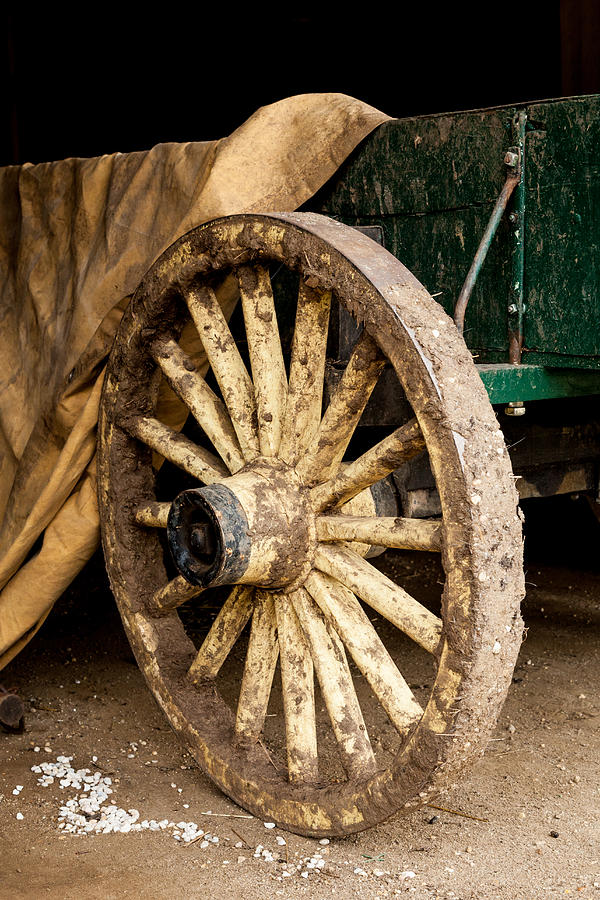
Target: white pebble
[(409, 874), (324, 842), (269, 824), (20, 816), (497, 647), (280, 840)]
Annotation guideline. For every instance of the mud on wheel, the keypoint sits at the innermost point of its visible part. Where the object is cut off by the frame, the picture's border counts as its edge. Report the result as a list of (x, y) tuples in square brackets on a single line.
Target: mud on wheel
[(277, 518)]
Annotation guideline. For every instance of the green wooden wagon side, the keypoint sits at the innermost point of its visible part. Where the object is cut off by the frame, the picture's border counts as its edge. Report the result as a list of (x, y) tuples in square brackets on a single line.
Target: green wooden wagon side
[(511, 198), (337, 414)]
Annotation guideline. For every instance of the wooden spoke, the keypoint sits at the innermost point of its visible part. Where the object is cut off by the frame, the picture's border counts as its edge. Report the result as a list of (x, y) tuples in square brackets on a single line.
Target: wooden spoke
[(344, 612), (224, 632), (152, 514), (259, 669), (230, 371), (344, 411), (337, 688), (205, 406), (307, 372), (297, 680), (394, 450), (172, 595), (390, 600), (266, 357), (404, 534), (176, 448)]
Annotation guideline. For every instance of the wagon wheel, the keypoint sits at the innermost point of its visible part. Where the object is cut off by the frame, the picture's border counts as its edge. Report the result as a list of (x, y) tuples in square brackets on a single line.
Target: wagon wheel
[(276, 522)]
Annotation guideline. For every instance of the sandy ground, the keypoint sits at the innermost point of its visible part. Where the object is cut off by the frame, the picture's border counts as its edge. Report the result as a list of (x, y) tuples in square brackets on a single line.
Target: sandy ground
[(525, 823)]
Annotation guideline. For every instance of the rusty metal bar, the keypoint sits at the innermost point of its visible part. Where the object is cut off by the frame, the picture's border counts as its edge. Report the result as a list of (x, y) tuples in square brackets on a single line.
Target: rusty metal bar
[(512, 180), (517, 292)]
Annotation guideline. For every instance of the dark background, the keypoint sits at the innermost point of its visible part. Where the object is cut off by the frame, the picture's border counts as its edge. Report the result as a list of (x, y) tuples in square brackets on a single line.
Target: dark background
[(99, 79)]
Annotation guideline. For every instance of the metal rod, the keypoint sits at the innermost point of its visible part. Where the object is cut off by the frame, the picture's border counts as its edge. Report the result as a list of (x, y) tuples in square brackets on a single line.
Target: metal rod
[(517, 290), (512, 180)]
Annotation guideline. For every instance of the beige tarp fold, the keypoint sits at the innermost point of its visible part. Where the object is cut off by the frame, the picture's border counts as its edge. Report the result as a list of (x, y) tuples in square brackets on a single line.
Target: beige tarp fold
[(76, 237)]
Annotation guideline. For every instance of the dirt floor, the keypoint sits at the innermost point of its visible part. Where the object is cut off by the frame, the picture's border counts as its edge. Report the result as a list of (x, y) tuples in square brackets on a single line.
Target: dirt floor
[(525, 823)]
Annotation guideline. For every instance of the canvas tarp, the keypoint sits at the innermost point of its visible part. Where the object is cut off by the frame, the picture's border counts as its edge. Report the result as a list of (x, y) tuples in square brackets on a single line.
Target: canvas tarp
[(76, 237)]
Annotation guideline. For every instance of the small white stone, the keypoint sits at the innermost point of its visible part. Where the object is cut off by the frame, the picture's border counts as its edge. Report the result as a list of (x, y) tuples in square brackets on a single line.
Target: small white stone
[(496, 648), (475, 499), (409, 874), (324, 842), (20, 816), (280, 840), (269, 824), (304, 874)]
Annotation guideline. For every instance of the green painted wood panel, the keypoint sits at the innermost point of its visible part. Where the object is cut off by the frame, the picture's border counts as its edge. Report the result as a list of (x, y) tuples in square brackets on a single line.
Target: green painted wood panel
[(562, 233), (431, 183)]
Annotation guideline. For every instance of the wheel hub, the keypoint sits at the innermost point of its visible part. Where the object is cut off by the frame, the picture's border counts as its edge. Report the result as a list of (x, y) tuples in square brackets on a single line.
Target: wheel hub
[(253, 528)]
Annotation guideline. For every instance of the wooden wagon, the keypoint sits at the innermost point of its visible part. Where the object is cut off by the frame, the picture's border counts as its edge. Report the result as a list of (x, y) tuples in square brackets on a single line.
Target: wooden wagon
[(338, 413)]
